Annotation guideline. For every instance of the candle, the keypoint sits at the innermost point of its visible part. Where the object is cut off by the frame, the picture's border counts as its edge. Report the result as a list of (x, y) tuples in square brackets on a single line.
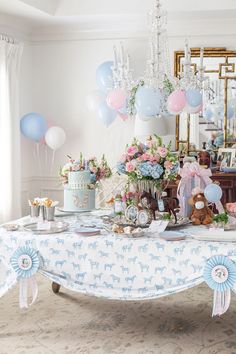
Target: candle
[(115, 57), (122, 53), (201, 57), (186, 51)]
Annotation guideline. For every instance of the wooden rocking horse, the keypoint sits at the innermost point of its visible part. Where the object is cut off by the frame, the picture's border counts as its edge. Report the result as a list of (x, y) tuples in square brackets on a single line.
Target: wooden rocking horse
[(166, 204)]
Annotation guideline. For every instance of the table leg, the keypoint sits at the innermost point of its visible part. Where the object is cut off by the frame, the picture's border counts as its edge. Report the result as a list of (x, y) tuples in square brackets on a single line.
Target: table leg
[(55, 287)]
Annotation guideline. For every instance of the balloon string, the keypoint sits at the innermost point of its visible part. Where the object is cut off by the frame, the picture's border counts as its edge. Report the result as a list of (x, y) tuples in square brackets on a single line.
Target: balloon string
[(34, 152), (52, 163), (46, 156), (38, 158)]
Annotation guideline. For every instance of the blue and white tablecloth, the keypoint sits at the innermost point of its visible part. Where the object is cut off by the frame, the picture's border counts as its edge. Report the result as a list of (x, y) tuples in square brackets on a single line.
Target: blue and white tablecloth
[(113, 266)]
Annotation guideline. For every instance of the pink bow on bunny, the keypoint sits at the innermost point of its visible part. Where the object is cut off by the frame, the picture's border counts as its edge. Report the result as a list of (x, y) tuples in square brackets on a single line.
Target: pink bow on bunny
[(192, 176)]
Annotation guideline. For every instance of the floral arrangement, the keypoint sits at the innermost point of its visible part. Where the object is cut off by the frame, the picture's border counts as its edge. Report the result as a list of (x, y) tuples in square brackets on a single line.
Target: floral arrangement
[(99, 170), (149, 162)]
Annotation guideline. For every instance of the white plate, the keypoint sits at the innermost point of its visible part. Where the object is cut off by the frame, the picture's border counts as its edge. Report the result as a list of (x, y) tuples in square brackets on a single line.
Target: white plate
[(69, 212), (88, 231), (172, 235), (225, 236)]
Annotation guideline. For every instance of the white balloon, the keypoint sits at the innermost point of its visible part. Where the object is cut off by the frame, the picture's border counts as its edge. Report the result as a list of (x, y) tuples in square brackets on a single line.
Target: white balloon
[(55, 137), (94, 99)]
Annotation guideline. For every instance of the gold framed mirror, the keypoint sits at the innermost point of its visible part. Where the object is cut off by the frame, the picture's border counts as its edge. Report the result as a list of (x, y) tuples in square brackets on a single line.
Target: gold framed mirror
[(219, 99)]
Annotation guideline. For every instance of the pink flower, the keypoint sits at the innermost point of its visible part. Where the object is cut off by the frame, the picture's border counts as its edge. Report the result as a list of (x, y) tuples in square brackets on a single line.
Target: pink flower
[(150, 143), (162, 151), (129, 167), (131, 150), (168, 164), (94, 169), (123, 158), (144, 157), (154, 158)]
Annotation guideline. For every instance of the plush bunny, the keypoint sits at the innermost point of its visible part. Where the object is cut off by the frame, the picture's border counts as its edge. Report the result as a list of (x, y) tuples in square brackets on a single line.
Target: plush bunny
[(201, 213)]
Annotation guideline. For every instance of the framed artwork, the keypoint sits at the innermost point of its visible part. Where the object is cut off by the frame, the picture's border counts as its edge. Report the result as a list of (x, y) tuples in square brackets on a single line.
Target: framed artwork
[(226, 156)]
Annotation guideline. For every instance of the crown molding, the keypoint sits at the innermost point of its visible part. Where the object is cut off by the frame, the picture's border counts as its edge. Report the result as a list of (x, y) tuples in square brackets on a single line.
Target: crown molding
[(180, 25), (189, 27)]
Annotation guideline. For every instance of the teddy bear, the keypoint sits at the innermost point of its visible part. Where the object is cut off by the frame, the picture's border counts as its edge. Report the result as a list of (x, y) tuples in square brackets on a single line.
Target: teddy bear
[(201, 213)]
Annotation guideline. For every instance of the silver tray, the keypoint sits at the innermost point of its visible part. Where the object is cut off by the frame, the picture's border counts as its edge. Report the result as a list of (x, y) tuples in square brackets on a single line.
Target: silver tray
[(181, 222), (55, 227)]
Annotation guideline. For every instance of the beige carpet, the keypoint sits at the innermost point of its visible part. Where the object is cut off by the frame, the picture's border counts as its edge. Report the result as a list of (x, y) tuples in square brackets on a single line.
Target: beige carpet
[(73, 323)]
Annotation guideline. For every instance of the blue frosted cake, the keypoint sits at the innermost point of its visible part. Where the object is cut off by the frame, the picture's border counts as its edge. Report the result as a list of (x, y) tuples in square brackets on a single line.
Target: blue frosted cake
[(77, 195)]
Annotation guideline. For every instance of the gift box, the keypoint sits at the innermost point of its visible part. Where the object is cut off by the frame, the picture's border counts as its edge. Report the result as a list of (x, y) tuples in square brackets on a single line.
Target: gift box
[(192, 176)]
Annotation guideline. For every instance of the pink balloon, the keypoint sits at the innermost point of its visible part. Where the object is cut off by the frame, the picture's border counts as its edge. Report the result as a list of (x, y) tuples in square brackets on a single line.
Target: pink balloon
[(176, 101), (116, 99), (123, 116)]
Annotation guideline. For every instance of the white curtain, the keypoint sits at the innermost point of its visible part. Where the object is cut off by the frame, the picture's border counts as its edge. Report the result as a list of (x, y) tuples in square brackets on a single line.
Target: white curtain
[(10, 180)]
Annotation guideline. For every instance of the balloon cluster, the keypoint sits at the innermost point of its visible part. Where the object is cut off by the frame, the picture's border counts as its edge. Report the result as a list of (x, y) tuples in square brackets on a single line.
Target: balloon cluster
[(34, 127), (189, 101), (107, 102)]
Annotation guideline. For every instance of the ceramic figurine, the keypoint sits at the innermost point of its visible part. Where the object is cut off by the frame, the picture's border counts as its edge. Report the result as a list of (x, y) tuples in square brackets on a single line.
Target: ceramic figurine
[(165, 204)]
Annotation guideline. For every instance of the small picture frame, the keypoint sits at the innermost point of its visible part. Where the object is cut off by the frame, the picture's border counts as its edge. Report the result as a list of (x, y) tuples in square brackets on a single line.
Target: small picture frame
[(226, 157), (131, 213)]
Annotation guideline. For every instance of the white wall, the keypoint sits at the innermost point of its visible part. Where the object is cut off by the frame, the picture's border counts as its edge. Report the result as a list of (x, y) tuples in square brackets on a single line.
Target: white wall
[(58, 71)]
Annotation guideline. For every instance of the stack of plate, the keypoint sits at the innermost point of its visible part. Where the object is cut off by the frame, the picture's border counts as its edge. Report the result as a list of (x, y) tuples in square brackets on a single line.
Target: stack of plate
[(88, 231)]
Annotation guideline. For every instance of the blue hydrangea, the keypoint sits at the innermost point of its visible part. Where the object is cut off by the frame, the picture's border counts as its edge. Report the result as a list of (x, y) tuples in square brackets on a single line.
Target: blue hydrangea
[(157, 171), (121, 168), (93, 177), (145, 169)]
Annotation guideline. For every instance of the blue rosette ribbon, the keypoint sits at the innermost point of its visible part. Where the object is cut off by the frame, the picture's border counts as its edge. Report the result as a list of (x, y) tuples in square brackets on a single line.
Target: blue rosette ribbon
[(26, 262), (220, 275)]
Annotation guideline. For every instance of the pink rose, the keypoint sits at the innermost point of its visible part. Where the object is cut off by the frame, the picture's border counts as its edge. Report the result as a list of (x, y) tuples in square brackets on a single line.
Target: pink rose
[(150, 143), (123, 158), (129, 167), (162, 151), (154, 158), (131, 150), (144, 157), (168, 164)]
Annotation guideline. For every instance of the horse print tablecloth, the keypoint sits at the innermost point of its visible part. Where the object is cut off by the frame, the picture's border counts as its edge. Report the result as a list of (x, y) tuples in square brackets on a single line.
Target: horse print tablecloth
[(116, 267)]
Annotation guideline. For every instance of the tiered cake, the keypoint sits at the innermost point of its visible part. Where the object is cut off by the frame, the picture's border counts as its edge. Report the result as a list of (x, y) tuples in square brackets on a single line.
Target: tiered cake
[(77, 195)]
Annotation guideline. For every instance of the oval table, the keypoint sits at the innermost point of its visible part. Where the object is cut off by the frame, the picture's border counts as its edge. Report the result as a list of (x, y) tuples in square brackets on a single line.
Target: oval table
[(113, 266)]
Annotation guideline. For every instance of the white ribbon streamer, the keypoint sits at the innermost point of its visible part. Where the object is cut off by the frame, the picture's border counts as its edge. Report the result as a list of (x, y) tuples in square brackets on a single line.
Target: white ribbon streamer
[(23, 293), (221, 302)]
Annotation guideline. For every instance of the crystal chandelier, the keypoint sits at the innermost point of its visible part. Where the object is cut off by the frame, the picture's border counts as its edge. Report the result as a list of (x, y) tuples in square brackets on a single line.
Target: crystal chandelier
[(190, 78), (157, 74)]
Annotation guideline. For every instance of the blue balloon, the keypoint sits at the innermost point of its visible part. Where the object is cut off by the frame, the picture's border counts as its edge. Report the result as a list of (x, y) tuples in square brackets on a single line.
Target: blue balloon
[(213, 193), (104, 76), (230, 112), (106, 115), (208, 114), (194, 97), (219, 140), (147, 101), (33, 126)]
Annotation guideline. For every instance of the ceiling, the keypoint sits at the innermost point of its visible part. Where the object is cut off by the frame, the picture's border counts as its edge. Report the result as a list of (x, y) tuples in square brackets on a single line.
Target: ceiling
[(51, 13)]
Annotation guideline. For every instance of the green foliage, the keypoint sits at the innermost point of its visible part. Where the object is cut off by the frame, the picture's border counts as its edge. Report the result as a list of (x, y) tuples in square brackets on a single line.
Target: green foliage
[(221, 218)]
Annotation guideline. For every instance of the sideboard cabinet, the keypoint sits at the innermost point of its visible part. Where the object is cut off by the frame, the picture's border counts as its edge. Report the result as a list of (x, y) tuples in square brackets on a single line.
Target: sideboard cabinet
[(227, 182)]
